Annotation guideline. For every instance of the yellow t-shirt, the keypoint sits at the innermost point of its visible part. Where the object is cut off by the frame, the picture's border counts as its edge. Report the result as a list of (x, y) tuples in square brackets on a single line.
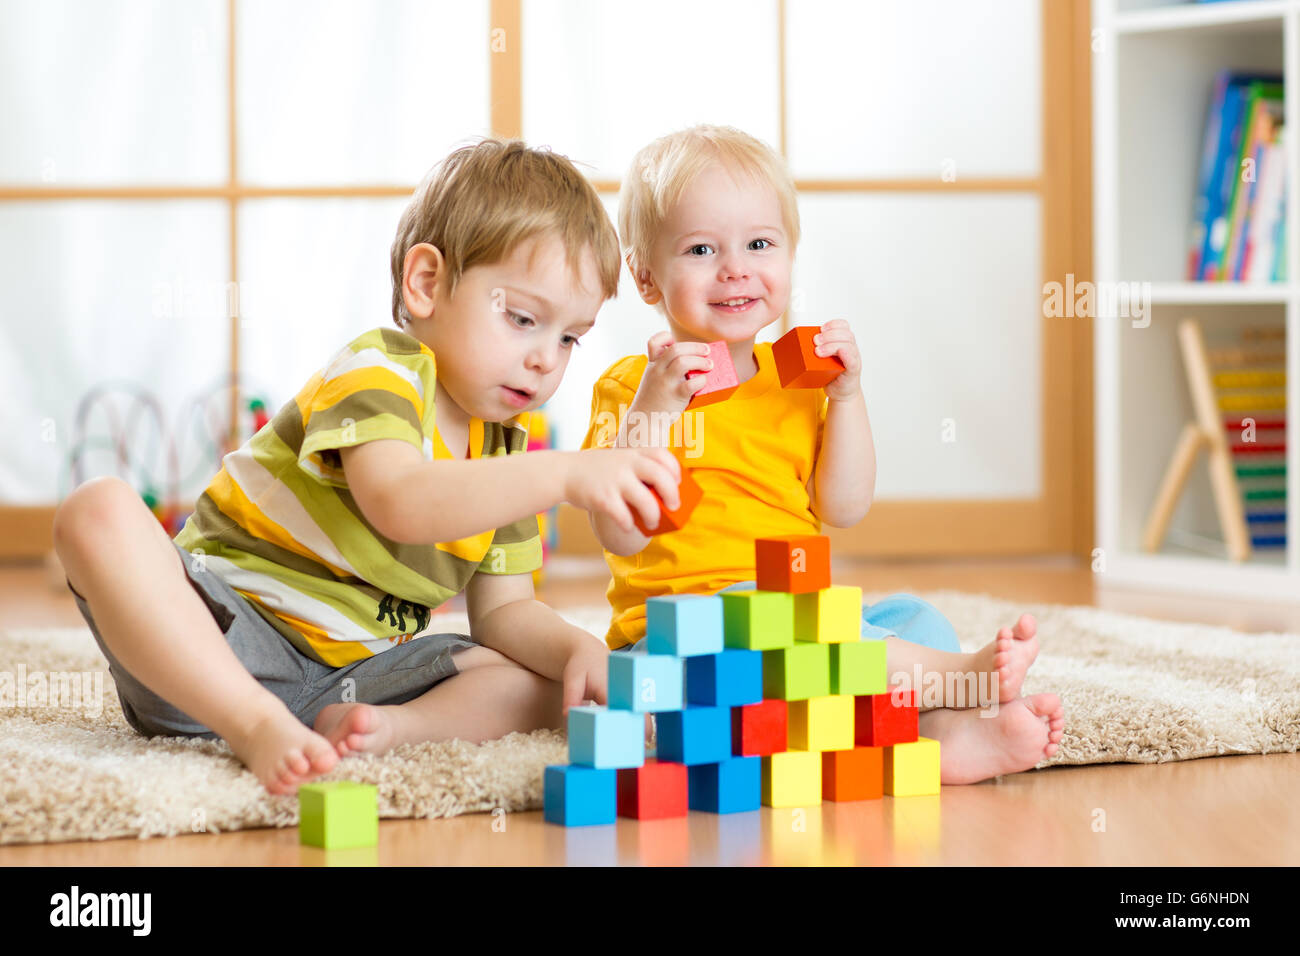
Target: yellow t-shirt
[(752, 455)]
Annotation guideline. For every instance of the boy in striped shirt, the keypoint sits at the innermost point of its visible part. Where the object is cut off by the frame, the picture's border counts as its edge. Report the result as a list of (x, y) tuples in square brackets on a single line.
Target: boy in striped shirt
[(288, 616)]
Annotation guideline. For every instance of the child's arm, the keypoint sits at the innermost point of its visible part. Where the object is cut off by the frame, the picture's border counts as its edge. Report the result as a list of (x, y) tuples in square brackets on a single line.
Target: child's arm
[(414, 501), (505, 616), (844, 478)]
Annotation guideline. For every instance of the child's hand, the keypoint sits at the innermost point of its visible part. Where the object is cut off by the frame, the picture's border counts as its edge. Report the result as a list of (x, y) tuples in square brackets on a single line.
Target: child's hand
[(664, 386), (836, 338), (586, 674), (613, 481)]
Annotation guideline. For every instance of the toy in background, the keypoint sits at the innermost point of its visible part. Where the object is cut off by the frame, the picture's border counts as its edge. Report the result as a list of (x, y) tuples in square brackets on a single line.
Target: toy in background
[(767, 697), (121, 428), (540, 439), (1239, 400)]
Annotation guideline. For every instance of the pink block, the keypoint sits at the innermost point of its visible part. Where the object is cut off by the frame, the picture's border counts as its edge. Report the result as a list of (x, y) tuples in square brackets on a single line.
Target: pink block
[(721, 381)]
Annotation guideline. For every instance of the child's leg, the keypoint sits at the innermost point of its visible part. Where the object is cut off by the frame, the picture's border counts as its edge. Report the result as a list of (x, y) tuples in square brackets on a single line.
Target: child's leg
[(490, 697), (923, 651), (119, 559), (975, 745)]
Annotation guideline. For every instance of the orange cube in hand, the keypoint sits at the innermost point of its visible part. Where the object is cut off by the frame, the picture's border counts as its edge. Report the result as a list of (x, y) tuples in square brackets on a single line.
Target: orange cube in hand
[(690, 493)]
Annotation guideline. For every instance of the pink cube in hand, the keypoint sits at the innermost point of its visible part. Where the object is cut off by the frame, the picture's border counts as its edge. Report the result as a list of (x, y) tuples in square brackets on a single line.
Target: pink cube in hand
[(721, 378)]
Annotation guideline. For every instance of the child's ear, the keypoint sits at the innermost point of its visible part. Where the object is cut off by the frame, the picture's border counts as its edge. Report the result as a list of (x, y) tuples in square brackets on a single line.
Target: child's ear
[(645, 283), (422, 270)]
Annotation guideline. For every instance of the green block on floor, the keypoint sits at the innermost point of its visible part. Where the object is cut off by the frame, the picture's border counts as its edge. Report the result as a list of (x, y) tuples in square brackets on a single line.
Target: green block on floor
[(338, 814), (798, 672), (757, 620), (858, 668)]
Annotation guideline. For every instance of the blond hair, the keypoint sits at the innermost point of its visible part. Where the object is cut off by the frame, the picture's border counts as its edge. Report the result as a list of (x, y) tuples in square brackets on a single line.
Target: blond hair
[(484, 199), (662, 170)]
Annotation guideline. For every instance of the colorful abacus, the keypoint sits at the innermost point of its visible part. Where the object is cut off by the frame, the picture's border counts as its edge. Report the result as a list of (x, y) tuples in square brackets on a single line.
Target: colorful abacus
[(765, 697)]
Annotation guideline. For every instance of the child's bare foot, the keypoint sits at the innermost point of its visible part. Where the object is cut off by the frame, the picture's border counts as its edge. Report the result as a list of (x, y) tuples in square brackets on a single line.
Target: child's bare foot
[(1009, 657), (974, 747), (356, 728), (282, 752)]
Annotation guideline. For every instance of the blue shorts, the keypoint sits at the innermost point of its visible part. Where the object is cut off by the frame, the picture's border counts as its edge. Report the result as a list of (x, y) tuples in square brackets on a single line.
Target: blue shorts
[(900, 615)]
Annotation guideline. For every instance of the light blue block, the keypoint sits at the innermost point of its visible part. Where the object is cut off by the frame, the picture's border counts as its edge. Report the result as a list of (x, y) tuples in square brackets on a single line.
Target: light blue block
[(646, 683), (604, 738), (579, 796), (684, 625)]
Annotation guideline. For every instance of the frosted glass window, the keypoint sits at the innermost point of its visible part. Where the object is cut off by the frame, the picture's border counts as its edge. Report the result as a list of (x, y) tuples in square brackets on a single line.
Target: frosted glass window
[(906, 87), (342, 92), (600, 79), (113, 92), (98, 293), (313, 276), (943, 294)]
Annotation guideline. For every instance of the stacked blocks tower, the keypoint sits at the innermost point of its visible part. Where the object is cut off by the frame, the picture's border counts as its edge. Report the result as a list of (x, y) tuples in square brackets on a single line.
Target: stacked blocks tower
[(762, 697)]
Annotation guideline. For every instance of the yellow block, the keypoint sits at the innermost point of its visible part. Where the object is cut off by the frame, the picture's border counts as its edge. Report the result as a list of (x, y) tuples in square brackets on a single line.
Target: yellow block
[(821, 723), (912, 770), (830, 616), (792, 779)]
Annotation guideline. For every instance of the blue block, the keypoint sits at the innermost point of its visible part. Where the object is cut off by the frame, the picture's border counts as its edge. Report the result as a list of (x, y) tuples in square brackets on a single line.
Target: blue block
[(646, 683), (579, 796), (684, 625), (728, 787), (694, 735), (732, 678), (604, 738)]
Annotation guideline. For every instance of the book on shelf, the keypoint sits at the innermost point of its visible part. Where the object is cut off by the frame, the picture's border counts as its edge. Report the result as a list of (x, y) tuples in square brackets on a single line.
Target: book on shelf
[(1239, 212)]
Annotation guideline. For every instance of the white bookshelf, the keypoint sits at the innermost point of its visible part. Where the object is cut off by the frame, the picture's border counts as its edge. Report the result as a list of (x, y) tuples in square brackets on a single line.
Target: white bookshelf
[(1153, 67)]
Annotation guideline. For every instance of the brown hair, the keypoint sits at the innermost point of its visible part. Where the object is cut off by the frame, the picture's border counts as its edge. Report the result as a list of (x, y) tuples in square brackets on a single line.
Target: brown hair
[(484, 199)]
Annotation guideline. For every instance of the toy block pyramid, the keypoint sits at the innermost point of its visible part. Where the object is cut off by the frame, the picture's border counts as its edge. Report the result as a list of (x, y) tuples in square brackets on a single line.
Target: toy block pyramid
[(767, 697)]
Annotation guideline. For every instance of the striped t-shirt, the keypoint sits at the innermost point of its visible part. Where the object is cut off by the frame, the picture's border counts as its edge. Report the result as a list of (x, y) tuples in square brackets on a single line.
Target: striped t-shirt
[(279, 525)]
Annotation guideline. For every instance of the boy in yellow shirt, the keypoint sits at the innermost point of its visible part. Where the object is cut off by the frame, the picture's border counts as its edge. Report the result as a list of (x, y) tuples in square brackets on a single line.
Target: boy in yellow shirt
[(709, 223), (290, 617)]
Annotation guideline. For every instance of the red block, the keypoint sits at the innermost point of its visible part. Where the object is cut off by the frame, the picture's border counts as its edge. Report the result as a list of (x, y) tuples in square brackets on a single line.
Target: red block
[(880, 721), (759, 730), (721, 381), (654, 791), (857, 774), (797, 363), (690, 493), (796, 563)]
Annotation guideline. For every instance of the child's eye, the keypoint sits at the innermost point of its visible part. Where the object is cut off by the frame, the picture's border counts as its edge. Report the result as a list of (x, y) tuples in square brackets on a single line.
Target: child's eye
[(520, 319), (767, 243), (692, 249), (570, 341)]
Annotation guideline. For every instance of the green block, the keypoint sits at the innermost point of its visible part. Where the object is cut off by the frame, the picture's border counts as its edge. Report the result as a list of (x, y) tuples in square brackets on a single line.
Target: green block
[(858, 668), (338, 814), (797, 672), (757, 620)]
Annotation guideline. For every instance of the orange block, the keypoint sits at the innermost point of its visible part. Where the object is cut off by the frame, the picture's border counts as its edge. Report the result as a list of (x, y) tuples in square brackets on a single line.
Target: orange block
[(690, 492), (795, 563), (721, 379), (857, 774), (797, 363)]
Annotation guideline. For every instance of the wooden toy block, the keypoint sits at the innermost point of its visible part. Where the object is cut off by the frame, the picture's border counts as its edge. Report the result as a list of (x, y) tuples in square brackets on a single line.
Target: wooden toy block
[(695, 735), (798, 563), (832, 615), (579, 796), (797, 363), (655, 791), (730, 678), (606, 739), (792, 779), (857, 774), (757, 620), (673, 520), (821, 723), (884, 719), (684, 625), (912, 769), (797, 672), (721, 379), (858, 668), (759, 730), (647, 683), (729, 786), (338, 814)]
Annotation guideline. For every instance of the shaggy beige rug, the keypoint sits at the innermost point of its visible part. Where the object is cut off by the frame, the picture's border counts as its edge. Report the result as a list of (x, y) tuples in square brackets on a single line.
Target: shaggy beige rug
[(1134, 690)]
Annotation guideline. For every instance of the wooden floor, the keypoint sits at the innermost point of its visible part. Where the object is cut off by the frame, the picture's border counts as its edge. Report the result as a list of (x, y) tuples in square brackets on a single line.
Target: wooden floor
[(1213, 812)]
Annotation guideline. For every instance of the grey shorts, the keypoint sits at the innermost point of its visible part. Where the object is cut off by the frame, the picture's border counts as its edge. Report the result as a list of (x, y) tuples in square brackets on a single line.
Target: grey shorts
[(306, 686)]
